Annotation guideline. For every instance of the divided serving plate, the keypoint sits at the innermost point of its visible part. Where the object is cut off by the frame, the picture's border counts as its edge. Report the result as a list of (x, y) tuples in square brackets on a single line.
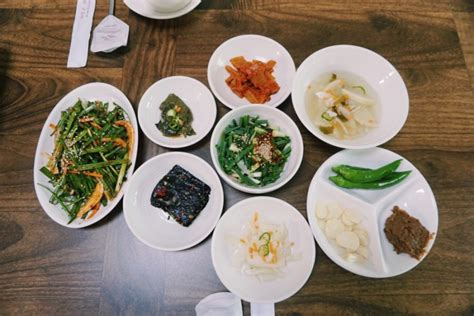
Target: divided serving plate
[(413, 195)]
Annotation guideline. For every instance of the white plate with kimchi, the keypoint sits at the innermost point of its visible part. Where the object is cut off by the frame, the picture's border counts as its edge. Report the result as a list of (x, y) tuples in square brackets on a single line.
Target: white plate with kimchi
[(262, 250), (85, 154)]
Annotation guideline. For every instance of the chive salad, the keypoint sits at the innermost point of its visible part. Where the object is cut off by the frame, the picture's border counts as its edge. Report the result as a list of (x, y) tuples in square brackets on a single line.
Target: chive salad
[(92, 153), (252, 152)]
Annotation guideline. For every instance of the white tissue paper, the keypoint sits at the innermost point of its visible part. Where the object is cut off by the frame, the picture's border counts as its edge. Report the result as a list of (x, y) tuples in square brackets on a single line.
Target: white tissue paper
[(220, 304), (257, 309), (110, 34)]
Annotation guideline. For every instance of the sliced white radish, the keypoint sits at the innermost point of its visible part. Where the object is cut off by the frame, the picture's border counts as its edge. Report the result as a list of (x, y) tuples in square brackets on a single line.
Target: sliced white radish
[(233, 147), (348, 228), (351, 216), (357, 98), (346, 220), (365, 117), (351, 127), (334, 210), (348, 240), (363, 251), (322, 224), (321, 211), (339, 125), (334, 86), (333, 228), (327, 98), (278, 133), (363, 236)]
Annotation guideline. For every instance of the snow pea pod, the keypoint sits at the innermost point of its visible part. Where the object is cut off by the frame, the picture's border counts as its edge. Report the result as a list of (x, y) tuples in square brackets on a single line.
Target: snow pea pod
[(388, 181), (363, 175)]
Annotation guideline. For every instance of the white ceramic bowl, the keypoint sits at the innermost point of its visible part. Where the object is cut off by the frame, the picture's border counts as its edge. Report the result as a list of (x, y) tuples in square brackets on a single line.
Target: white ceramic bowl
[(90, 92), (193, 93), (251, 47), (294, 274), (146, 9), (276, 118), (383, 78), (151, 225)]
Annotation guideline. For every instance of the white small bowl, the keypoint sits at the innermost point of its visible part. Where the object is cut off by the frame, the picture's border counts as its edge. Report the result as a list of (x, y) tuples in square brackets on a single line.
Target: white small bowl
[(381, 75), (251, 47), (276, 118), (144, 8), (196, 96)]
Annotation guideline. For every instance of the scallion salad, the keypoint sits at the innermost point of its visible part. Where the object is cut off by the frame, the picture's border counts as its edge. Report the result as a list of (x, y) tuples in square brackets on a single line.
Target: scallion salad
[(253, 152)]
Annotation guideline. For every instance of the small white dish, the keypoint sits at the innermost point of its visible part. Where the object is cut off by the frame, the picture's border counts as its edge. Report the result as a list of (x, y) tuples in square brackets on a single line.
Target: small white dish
[(89, 92), (144, 8), (150, 224), (276, 118), (295, 273), (193, 93), (251, 47), (413, 195), (382, 77)]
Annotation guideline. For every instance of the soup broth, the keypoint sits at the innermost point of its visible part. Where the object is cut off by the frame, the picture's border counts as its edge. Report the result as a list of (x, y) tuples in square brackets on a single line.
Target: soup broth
[(342, 105)]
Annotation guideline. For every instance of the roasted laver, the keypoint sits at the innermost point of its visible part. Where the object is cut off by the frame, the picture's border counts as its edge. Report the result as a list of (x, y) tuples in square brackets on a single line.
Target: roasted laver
[(181, 195)]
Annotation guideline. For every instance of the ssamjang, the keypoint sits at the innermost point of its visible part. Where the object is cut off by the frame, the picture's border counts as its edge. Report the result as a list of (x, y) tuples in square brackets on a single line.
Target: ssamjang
[(181, 195)]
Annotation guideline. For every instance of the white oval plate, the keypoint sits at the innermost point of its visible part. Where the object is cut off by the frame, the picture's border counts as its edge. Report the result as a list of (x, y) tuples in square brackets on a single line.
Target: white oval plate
[(151, 224), (413, 195), (382, 77), (251, 47), (145, 9), (296, 273), (90, 92), (196, 96), (276, 118)]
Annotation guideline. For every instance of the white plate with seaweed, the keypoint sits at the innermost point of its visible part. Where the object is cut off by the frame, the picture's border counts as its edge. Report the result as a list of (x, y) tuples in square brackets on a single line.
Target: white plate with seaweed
[(46, 144), (195, 96)]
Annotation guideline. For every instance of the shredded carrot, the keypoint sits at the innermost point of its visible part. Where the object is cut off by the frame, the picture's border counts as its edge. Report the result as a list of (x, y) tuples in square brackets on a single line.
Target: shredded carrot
[(52, 126), (93, 199), (130, 135), (96, 125), (94, 210), (94, 174), (118, 141)]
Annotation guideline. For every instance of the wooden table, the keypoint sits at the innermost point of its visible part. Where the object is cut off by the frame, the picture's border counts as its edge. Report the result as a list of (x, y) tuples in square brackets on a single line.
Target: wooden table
[(49, 269)]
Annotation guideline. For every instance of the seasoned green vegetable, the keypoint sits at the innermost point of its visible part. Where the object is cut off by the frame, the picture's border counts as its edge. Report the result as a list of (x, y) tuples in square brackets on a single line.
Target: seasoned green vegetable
[(91, 155), (388, 181), (252, 152), (356, 174), (176, 118)]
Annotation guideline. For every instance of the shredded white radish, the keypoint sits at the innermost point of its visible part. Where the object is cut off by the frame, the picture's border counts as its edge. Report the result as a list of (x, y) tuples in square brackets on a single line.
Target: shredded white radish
[(264, 249)]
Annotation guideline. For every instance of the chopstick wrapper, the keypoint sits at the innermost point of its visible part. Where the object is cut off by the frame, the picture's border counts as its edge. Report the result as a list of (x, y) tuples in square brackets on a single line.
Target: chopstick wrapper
[(81, 32)]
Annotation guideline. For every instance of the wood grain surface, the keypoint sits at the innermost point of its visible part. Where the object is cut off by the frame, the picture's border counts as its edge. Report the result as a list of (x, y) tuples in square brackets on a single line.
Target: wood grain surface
[(49, 269)]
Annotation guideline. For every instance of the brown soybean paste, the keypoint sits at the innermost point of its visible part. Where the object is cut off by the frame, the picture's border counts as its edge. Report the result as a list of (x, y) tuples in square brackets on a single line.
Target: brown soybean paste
[(406, 233)]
